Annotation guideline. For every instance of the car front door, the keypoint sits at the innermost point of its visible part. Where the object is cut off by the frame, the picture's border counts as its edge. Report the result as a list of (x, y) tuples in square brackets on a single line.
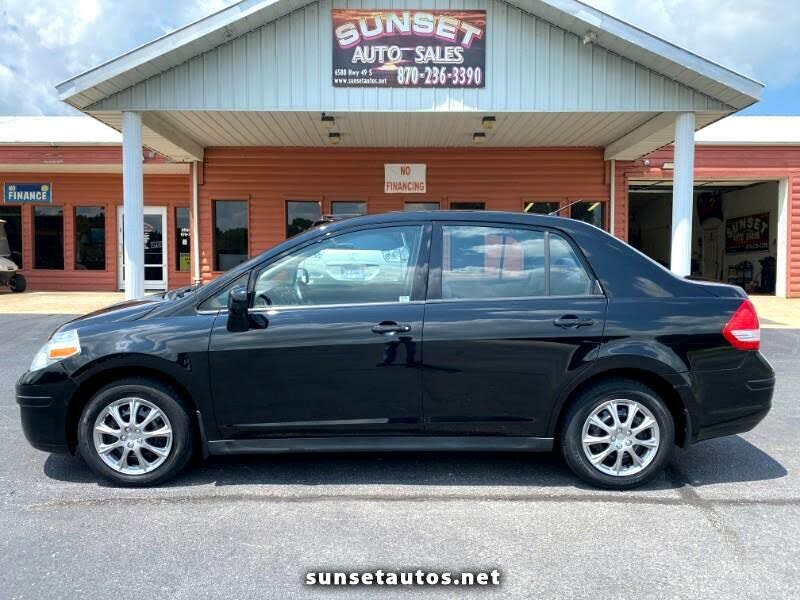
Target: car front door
[(335, 341), (512, 314)]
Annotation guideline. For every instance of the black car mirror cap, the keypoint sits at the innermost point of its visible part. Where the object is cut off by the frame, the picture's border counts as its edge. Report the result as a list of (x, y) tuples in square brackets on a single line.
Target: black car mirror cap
[(238, 304)]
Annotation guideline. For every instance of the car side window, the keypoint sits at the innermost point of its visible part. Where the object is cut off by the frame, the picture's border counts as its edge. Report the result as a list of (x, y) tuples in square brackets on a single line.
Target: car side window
[(492, 262), (567, 275), (362, 267), (485, 262), (219, 301)]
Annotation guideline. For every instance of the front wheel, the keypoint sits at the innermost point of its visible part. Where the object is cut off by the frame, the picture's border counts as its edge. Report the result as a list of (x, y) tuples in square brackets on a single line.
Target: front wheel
[(618, 434), (17, 283), (135, 432)]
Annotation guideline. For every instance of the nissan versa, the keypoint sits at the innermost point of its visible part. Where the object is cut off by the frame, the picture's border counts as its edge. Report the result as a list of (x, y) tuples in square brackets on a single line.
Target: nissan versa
[(430, 331)]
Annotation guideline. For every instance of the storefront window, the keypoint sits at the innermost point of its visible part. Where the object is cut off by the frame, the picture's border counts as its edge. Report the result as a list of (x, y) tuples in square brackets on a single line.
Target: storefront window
[(409, 206), (467, 206), (90, 238), (48, 237), (348, 208), (301, 215), (12, 215), (182, 239), (230, 234), (588, 212), (541, 208)]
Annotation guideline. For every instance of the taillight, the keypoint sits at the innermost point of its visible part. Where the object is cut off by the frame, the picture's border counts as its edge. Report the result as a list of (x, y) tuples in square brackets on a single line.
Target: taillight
[(743, 331)]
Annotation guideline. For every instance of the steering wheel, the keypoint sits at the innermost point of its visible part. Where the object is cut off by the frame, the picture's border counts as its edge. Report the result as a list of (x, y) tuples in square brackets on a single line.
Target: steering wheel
[(264, 299)]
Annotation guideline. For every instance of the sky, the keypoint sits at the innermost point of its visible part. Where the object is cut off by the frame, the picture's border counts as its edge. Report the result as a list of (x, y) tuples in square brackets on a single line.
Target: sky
[(43, 42)]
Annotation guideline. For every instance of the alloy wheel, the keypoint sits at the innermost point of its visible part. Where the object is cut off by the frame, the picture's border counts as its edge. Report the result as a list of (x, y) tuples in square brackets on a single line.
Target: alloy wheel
[(620, 437), (132, 436)]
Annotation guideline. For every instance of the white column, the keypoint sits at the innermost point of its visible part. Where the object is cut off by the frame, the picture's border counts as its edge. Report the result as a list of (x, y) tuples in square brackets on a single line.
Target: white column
[(683, 195), (195, 225), (133, 204), (782, 249)]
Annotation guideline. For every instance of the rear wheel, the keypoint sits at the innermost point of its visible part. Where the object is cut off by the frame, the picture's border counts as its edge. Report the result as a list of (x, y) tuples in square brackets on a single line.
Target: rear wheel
[(135, 432), (17, 283), (618, 434)]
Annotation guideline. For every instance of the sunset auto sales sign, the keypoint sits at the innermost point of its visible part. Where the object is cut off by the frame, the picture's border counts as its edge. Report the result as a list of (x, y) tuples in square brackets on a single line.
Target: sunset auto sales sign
[(409, 48)]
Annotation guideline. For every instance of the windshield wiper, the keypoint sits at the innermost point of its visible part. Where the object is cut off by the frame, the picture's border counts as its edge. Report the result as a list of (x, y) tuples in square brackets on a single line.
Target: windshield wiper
[(181, 292)]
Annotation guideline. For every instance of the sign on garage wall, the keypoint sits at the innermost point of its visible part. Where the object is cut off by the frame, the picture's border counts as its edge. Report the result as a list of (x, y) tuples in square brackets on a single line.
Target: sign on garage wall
[(15, 193), (404, 179), (747, 234), (409, 48)]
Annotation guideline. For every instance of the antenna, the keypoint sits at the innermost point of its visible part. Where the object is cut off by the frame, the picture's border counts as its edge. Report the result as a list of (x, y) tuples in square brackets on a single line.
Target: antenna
[(555, 212)]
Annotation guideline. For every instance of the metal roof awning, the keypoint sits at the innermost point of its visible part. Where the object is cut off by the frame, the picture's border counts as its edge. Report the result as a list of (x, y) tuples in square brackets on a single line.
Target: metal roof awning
[(559, 73)]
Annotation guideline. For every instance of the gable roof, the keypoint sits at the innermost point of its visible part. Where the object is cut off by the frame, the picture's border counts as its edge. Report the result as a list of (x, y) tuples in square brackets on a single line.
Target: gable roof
[(175, 48)]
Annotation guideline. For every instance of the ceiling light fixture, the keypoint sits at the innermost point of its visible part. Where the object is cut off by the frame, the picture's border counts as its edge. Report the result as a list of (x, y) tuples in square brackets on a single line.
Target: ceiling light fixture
[(593, 206), (488, 122), (334, 137), (328, 121), (590, 37), (478, 137)]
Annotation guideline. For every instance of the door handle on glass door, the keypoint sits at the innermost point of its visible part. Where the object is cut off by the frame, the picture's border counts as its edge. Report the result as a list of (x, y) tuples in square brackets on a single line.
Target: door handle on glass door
[(385, 327), (568, 321)]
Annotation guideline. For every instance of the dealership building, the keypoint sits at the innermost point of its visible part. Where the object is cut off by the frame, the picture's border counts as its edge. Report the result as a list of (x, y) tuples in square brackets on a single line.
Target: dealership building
[(233, 133)]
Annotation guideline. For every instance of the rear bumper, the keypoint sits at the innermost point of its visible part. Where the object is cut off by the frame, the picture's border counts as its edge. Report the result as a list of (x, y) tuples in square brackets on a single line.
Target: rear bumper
[(43, 399), (733, 401)]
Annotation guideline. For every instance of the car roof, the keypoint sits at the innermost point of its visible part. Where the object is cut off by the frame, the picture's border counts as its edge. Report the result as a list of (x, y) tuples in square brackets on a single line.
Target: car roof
[(621, 270), (521, 218)]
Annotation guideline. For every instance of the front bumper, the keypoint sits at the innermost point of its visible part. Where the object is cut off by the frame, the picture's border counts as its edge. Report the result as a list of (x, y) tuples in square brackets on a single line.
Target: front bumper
[(44, 397), (733, 401)]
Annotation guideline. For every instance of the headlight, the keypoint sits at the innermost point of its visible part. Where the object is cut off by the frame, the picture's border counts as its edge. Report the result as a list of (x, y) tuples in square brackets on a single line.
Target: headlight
[(62, 345)]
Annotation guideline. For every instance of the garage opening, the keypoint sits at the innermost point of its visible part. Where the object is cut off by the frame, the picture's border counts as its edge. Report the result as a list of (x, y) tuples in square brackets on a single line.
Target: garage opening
[(734, 229)]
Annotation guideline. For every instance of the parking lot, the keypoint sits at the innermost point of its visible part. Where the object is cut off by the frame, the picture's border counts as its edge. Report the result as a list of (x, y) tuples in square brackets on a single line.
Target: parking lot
[(723, 521)]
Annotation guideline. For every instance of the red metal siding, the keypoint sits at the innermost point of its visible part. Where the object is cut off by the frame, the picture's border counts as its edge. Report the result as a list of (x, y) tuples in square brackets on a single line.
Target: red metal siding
[(69, 155), (728, 162), (267, 177), (502, 178), (793, 262), (80, 189)]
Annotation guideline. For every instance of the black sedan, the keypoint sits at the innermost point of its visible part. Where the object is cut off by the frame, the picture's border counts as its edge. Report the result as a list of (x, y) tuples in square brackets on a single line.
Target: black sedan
[(433, 331)]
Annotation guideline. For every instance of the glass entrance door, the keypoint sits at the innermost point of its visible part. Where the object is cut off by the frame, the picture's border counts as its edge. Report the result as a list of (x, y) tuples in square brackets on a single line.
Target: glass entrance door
[(155, 248)]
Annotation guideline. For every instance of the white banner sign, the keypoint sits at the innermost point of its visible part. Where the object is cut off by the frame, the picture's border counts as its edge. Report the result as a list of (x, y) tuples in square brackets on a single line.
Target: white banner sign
[(404, 179)]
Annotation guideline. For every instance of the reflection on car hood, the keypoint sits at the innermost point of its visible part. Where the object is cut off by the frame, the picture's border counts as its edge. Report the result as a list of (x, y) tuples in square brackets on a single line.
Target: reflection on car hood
[(130, 310)]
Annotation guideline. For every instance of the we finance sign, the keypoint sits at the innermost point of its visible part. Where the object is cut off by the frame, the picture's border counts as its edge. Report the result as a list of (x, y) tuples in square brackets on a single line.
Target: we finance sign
[(15, 193), (409, 48)]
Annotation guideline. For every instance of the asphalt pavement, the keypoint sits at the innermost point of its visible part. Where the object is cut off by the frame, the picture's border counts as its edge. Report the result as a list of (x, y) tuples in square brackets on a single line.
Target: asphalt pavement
[(723, 521)]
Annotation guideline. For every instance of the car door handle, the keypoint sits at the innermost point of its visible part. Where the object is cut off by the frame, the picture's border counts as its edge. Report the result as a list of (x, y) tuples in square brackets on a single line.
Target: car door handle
[(568, 321), (385, 327)]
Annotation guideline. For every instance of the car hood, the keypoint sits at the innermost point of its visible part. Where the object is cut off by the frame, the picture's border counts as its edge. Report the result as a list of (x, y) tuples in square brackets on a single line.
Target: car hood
[(129, 310)]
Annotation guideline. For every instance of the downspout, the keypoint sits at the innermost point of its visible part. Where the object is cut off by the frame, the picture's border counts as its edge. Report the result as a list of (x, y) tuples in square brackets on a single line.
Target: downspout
[(196, 278)]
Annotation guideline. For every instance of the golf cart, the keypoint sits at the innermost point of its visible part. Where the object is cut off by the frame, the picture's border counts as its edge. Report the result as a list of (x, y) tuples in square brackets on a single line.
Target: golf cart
[(8, 268)]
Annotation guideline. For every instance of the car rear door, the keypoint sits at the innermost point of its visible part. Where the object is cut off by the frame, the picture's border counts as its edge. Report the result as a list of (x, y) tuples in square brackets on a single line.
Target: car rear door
[(513, 314), (336, 341)]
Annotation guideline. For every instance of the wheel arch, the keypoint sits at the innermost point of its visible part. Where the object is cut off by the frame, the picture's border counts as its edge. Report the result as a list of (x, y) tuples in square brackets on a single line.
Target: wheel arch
[(657, 381), (91, 384)]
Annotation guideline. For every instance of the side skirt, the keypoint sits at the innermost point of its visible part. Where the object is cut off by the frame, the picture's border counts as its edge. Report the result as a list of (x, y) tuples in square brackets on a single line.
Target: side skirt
[(381, 444)]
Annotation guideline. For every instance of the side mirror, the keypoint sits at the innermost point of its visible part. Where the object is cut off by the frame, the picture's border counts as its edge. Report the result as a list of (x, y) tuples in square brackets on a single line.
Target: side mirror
[(238, 303)]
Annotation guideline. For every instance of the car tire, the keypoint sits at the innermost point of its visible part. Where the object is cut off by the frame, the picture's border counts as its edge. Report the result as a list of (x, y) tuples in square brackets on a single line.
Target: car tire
[(106, 422), (17, 284), (626, 454)]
